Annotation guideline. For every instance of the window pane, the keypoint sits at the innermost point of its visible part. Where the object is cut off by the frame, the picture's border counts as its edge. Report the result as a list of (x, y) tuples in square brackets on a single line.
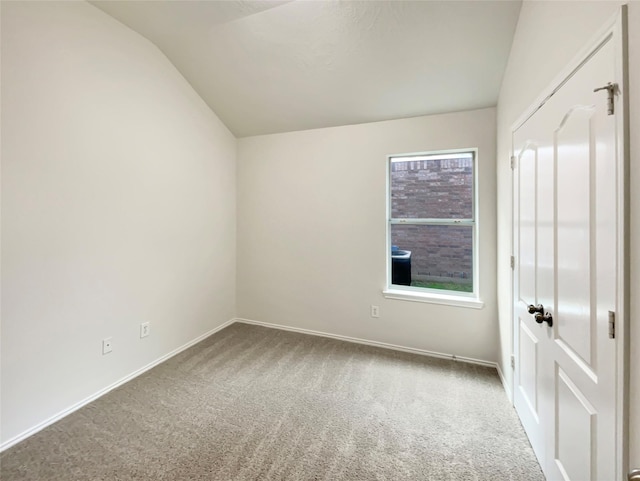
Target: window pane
[(432, 188), (433, 256)]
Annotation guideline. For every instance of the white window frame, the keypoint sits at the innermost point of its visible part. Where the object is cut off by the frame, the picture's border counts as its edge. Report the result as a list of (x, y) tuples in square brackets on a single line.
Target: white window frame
[(425, 294)]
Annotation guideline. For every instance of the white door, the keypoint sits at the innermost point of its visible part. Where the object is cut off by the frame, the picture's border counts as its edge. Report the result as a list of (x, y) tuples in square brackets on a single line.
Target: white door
[(566, 228)]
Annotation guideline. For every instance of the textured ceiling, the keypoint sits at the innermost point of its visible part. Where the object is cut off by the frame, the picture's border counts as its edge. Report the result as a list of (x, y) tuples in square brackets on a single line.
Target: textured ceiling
[(278, 66)]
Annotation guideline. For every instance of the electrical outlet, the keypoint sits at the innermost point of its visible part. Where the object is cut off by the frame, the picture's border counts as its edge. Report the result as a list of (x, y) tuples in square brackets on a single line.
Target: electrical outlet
[(375, 311), (107, 345), (145, 329)]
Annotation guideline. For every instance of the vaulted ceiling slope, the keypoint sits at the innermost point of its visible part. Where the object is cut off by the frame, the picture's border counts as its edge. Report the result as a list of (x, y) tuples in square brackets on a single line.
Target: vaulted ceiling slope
[(277, 66)]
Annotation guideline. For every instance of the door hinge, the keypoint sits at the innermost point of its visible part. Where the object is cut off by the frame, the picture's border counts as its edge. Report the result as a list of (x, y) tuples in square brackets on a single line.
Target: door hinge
[(513, 162), (611, 89), (513, 362), (512, 262), (612, 325)]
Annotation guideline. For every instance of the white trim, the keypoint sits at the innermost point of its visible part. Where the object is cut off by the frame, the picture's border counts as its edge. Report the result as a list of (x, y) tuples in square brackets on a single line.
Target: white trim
[(570, 68), (512, 270), (474, 223), (504, 382), (413, 158), (623, 158), (367, 342), (432, 298), (65, 412)]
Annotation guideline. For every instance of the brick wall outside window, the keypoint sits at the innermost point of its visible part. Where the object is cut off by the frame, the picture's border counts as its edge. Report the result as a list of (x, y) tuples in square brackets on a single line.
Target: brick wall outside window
[(441, 189)]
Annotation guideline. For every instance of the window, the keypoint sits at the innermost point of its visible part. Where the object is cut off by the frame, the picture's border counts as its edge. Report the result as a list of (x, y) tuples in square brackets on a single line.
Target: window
[(432, 228)]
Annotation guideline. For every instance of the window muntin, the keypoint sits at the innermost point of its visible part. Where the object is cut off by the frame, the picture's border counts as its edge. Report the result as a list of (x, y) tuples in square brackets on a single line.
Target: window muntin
[(432, 223)]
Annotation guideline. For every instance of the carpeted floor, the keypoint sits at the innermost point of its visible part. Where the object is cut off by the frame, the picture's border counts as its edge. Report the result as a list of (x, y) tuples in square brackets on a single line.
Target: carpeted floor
[(252, 403)]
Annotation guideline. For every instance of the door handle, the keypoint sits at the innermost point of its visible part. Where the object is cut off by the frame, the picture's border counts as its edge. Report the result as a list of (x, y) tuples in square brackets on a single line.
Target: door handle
[(540, 316), (634, 475), (546, 317), (533, 309)]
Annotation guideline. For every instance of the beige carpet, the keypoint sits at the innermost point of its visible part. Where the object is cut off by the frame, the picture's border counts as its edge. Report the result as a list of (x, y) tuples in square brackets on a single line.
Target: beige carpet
[(252, 403)]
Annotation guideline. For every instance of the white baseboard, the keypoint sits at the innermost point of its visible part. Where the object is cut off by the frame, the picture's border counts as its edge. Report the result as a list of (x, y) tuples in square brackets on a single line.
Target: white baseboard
[(423, 352), (65, 412), (385, 345), (505, 385)]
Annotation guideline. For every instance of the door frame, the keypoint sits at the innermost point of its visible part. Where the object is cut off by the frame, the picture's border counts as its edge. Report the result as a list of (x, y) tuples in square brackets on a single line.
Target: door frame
[(617, 29)]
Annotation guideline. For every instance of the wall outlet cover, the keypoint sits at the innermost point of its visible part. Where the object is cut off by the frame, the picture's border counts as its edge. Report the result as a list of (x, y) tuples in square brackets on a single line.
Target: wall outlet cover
[(145, 329), (107, 345)]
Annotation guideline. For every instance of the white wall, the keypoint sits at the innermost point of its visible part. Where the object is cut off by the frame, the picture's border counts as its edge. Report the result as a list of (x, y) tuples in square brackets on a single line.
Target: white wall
[(311, 233), (548, 36), (118, 207)]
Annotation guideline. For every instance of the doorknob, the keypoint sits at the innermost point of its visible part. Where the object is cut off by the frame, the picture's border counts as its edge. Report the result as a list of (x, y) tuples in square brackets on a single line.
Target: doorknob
[(533, 309), (546, 317), (634, 475), (539, 315)]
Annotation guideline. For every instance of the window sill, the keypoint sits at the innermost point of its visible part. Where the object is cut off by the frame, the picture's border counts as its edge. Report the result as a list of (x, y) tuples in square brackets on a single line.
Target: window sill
[(447, 300)]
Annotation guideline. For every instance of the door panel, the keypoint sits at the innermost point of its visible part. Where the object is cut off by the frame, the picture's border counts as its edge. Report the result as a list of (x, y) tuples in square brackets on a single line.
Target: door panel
[(527, 348), (576, 423), (528, 359), (573, 212), (528, 223)]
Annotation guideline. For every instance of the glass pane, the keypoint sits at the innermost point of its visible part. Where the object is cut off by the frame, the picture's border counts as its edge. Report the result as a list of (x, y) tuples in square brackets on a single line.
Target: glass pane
[(433, 256), (432, 188)]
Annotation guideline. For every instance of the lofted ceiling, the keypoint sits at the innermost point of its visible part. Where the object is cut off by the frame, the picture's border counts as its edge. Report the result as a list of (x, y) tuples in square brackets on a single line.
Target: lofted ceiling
[(276, 66)]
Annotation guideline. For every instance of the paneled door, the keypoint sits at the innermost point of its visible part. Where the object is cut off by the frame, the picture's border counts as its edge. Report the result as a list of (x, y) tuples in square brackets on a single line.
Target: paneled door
[(567, 228)]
